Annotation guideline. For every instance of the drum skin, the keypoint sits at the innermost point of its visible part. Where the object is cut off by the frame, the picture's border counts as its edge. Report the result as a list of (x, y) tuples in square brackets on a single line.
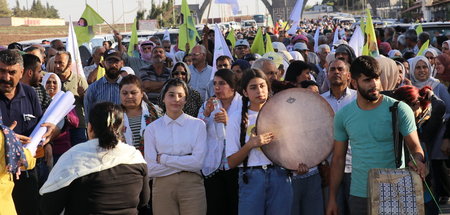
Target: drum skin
[(302, 124)]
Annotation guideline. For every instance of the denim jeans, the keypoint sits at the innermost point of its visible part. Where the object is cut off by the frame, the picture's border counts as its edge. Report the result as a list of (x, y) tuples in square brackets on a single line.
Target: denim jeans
[(308, 197), (267, 192)]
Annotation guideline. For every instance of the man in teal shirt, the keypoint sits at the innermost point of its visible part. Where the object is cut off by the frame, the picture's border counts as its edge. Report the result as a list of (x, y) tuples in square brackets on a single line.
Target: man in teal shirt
[(367, 124)]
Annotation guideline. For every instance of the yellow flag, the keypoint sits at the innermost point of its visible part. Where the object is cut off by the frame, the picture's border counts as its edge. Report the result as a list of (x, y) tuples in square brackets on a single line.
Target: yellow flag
[(258, 44), (269, 47), (231, 37), (423, 48), (187, 32), (371, 46), (133, 39), (85, 28), (100, 69), (419, 29)]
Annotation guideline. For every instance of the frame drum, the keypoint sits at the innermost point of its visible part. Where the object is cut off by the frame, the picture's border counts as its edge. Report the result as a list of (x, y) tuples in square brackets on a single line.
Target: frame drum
[(302, 124)]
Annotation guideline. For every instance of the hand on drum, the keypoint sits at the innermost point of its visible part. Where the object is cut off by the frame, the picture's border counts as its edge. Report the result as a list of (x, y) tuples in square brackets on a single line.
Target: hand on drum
[(419, 167), (260, 139), (302, 169), (221, 117)]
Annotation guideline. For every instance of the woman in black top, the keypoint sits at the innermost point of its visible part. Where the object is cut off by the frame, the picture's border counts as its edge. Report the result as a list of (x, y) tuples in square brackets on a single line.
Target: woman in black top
[(101, 176)]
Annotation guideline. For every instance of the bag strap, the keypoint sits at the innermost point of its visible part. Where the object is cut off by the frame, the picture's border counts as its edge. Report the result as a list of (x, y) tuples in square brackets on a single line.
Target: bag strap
[(396, 135)]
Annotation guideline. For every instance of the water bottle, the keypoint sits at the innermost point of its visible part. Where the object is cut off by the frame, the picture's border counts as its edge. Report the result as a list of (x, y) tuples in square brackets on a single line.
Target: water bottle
[(220, 127)]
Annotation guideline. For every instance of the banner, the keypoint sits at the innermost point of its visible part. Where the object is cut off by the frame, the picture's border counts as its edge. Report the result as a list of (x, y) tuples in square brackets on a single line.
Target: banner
[(258, 44), (220, 48), (72, 48), (187, 32), (133, 39)]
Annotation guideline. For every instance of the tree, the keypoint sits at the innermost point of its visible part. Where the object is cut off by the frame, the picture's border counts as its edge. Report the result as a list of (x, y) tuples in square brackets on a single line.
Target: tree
[(37, 10), (4, 10)]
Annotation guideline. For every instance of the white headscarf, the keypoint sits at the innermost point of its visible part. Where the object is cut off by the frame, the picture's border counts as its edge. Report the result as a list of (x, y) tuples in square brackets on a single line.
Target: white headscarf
[(432, 82), (392, 53), (58, 81), (296, 55)]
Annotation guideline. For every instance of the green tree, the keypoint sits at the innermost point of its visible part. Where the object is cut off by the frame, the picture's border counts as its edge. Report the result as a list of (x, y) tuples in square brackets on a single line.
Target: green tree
[(4, 10)]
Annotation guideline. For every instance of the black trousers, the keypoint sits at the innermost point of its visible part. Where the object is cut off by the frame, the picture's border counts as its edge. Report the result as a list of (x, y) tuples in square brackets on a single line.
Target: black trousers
[(26, 193), (222, 192)]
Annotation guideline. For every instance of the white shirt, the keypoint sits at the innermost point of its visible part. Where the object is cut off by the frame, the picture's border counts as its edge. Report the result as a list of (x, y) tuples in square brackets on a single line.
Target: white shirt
[(256, 157), (216, 146), (336, 105), (181, 144)]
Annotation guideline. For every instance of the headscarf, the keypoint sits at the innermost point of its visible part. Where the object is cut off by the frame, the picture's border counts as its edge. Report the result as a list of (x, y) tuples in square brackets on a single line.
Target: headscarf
[(448, 43), (58, 81), (431, 50), (243, 64), (146, 56), (385, 48), (432, 82), (186, 68), (296, 55), (389, 73), (179, 55), (392, 53), (445, 61)]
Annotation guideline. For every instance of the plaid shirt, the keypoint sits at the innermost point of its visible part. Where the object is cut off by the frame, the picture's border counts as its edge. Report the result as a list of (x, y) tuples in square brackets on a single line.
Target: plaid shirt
[(43, 97)]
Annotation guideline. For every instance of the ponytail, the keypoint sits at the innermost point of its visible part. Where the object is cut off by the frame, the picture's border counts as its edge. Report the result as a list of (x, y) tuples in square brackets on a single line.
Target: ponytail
[(106, 120)]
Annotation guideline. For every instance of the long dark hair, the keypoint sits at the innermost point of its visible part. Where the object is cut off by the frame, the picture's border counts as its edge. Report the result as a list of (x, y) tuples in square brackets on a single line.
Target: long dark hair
[(173, 82), (106, 120), (246, 78), (228, 76)]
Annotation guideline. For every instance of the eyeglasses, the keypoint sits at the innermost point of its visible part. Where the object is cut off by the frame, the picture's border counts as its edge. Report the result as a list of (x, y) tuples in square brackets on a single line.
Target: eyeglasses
[(167, 47), (196, 54), (147, 48), (176, 73)]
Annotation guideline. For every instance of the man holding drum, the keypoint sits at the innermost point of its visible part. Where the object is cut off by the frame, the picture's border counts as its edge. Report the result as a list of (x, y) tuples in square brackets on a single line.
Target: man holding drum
[(367, 123)]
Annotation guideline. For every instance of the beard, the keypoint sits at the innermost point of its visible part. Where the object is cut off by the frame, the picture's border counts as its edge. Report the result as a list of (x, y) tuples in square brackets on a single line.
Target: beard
[(157, 60), (366, 94), (112, 73)]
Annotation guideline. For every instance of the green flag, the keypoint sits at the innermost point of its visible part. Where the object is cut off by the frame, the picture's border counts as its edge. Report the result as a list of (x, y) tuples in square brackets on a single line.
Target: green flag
[(269, 47), (423, 48), (187, 32), (133, 39), (258, 44), (231, 37), (419, 29), (85, 28)]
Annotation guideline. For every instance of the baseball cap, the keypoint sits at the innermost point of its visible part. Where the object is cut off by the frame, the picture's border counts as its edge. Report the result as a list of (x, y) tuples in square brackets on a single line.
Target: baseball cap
[(242, 43), (340, 42), (300, 46), (112, 53), (275, 57)]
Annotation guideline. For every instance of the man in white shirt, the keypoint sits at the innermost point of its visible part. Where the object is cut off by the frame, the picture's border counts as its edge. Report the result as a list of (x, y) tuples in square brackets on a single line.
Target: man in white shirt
[(339, 96), (200, 71), (90, 72)]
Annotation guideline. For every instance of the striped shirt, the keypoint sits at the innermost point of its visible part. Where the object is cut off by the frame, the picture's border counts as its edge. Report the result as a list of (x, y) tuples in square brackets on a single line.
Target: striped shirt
[(101, 91), (135, 126)]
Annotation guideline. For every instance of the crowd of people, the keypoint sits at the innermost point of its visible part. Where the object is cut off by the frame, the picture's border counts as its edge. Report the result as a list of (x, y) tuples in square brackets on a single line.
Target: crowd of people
[(163, 132)]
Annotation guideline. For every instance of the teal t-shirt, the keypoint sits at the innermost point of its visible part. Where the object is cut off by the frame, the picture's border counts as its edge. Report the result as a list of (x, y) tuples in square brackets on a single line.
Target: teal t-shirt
[(370, 136)]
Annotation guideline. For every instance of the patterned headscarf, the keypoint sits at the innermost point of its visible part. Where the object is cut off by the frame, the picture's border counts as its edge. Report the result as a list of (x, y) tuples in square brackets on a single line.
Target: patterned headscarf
[(15, 157)]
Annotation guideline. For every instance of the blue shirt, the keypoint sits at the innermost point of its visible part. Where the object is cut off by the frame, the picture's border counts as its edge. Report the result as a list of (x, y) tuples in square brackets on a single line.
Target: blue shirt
[(101, 91), (23, 108), (370, 136), (200, 79)]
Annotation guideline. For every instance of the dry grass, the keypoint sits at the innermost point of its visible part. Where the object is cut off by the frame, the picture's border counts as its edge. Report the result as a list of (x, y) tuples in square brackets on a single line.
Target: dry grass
[(20, 33)]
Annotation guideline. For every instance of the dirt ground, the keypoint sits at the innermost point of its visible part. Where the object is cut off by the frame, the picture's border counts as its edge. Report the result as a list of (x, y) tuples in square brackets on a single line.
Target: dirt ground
[(9, 34)]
